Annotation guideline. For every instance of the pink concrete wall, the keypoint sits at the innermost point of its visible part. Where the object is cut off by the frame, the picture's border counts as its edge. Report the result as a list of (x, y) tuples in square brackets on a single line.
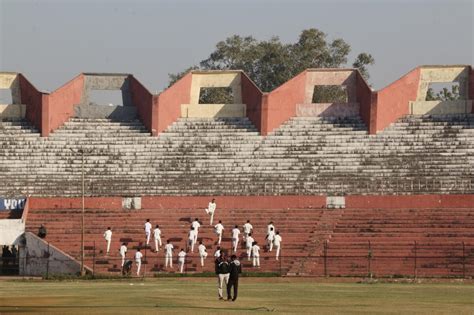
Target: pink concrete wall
[(366, 101), (167, 105), (142, 99), (33, 99), (392, 101), (410, 202), (252, 97), (280, 105), (59, 105)]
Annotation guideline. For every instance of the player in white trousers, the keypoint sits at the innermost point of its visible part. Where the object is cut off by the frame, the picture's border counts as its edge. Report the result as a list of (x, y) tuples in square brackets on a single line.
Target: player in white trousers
[(277, 242), (138, 260), (247, 229), (211, 208), (235, 237), (219, 228), (108, 238), (248, 245), (256, 255), (147, 231), (196, 225), (169, 254), (217, 253), (270, 226), (181, 260), (192, 238), (123, 251), (157, 237), (270, 237), (202, 252)]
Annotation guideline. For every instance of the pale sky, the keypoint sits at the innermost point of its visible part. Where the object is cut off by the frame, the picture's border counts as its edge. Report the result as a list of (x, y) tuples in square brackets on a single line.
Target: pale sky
[(53, 41)]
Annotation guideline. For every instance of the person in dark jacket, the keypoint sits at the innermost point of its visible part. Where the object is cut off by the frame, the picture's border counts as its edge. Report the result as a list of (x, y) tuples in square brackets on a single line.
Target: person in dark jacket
[(235, 268), (42, 231), (222, 271)]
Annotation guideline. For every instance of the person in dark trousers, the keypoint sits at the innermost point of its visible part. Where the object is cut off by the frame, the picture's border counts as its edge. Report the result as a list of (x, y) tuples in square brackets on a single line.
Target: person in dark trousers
[(235, 269), (222, 272), (42, 231)]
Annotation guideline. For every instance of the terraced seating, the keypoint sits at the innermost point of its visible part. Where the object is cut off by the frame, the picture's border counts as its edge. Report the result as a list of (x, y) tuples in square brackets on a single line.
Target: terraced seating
[(306, 155)]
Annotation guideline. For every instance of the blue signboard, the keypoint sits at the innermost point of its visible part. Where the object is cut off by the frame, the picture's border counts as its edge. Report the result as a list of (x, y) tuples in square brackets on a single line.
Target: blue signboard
[(12, 203)]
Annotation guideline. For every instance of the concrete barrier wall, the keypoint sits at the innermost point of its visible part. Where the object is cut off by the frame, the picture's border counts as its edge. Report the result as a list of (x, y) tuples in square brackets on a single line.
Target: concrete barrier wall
[(10, 80), (213, 110), (430, 74), (230, 79), (12, 111), (346, 78), (11, 231), (440, 107), (99, 81), (328, 110)]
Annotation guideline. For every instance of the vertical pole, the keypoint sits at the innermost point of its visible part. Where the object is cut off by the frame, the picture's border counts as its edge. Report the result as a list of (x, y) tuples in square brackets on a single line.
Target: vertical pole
[(415, 272), (82, 216), (369, 258), (325, 253), (145, 263), (93, 262), (463, 261), (47, 263)]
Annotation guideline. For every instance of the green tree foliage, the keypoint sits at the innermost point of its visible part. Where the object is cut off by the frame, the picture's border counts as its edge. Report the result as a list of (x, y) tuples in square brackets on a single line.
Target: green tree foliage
[(444, 95), (270, 63)]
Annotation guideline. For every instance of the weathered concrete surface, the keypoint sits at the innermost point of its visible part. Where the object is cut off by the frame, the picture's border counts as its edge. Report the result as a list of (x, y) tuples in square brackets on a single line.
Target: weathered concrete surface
[(11, 231), (38, 258), (213, 110), (230, 79), (328, 110), (346, 78), (443, 74), (116, 112), (107, 82), (9, 80), (440, 107), (12, 111)]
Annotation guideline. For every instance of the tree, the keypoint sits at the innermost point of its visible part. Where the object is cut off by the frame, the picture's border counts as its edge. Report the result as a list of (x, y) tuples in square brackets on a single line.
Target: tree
[(271, 63), (444, 95)]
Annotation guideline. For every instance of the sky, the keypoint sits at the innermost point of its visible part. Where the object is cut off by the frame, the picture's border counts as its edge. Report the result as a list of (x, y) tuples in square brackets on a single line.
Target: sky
[(51, 41)]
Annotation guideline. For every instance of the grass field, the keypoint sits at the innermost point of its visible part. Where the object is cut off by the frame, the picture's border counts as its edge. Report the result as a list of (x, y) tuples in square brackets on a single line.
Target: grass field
[(256, 295)]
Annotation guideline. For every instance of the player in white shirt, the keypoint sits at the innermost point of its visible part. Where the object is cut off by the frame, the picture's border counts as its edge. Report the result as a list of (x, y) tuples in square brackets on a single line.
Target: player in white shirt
[(219, 228), (248, 245), (138, 260), (277, 242), (247, 229), (202, 252), (169, 254), (192, 238), (181, 260), (270, 226), (157, 237), (256, 255), (147, 230), (235, 238), (211, 208), (270, 237), (108, 238), (123, 250), (217, 253), (196, 225)]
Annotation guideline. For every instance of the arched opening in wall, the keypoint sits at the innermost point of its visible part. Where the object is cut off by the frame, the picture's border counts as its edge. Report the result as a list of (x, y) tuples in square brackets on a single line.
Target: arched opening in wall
[(216, 95), (6, 96), (444, 91), (106, 97), (330, 94)]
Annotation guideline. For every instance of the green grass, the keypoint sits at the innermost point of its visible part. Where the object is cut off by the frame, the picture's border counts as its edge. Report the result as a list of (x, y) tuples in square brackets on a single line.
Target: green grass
[(256, 295)]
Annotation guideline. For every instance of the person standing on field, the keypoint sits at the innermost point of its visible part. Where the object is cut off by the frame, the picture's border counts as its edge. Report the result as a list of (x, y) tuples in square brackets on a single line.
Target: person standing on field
[(157, 237), (202, 252), (181, 260), (277, 242), (248, 245), (219, 228), (256, 255), (147, 231), (222, 271), (235, 238), (169, 254), (270, 237), (211, 208), (138, 260), (123, 252), (235, 268), (192, 238), (108, 239), (247, 229)]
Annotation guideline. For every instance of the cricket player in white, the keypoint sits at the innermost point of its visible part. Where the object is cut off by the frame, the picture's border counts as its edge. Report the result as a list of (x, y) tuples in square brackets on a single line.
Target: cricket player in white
[(248, 245), (202, 252), (181, 260), (211, 208), (192, 238), (219, 228), (256, 255), (138, 260), (277, 242), (270, 226), (123, 251), (247, 229), (157, 237), (270, 238), (108, 238), (169, 254), (196, 225), (217, 253), (148, 230), (235, 238)]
